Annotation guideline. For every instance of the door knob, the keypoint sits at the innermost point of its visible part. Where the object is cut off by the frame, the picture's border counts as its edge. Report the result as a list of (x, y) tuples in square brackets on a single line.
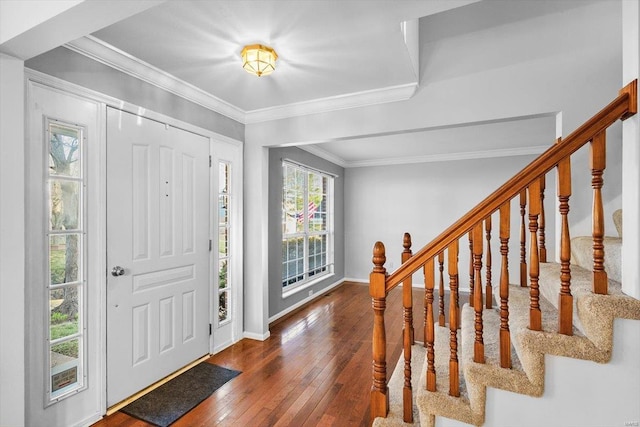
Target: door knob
[(117, 271)]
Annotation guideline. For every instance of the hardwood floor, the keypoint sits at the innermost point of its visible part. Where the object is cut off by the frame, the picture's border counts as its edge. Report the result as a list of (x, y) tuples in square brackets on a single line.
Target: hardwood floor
[(314, 370)]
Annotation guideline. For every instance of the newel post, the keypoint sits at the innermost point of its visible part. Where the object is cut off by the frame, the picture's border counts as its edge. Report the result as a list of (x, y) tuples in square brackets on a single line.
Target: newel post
[(377, 290)]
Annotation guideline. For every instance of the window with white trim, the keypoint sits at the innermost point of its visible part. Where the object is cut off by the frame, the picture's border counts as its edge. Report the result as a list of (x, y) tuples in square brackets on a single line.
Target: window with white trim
[(307, 225), (224, 284), (66, 240)]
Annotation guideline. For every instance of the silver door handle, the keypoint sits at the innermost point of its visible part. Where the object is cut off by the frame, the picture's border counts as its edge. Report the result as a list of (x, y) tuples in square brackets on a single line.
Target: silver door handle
[(117, 271)]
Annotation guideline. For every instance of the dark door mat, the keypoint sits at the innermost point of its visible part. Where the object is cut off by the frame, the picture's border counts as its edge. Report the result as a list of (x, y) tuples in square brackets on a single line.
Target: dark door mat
[(170, 401)]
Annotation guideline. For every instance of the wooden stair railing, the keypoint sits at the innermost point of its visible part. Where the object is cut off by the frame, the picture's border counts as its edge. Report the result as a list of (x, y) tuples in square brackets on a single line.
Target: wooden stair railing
[(527, 184)]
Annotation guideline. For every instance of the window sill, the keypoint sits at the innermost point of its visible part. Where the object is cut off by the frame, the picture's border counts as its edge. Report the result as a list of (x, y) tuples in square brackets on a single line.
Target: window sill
[(315, 281)]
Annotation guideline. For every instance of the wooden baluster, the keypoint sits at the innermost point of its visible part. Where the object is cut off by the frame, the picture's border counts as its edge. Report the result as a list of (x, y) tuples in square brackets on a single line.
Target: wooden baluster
[(407, 291), (565, 299), (535, 315), (407, 332), (429, 331), (377, 290), (478, 345), (505, 336), (471, 272), (489, 287), (452, 264), (598, 163), (541, 223), (523, 240), (441, 317)]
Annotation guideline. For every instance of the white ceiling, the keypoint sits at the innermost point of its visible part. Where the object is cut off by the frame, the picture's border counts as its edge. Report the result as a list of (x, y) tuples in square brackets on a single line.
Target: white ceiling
[(325, 48), (330, 52)]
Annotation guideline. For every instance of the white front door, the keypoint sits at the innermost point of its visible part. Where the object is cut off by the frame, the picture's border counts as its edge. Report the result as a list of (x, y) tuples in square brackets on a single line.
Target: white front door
[(157, 251)]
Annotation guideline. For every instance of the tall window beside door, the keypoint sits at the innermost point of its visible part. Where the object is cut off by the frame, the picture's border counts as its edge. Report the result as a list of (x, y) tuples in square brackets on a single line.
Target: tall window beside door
[(66, 237), (224, 285), (307, 225)]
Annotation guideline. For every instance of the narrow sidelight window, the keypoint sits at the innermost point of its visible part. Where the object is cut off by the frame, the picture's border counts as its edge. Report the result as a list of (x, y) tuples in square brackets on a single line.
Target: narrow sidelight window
[(66, 261), (224, 282)]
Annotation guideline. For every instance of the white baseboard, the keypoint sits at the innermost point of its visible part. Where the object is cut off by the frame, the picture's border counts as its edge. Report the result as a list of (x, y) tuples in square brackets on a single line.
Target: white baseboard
[(257, 337), (305, 301), (90, 420), (350, 279)]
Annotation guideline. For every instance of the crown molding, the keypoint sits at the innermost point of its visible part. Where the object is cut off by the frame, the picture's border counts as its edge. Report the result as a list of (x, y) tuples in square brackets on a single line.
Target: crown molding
[(57, 84), (447, 157), (431, 158), (334, 103), (317, 151), (113, 57)]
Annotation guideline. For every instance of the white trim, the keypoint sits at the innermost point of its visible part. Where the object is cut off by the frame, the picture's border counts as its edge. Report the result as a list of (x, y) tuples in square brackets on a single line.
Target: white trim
[(104, 101), (258, 337), (81, 91), (223, 346), (317, 151), (447, 157), (102, 52), (305, 301), (305, 285), (89, 420), (351, 279), (333, 103), (109, 55), (429, 158)]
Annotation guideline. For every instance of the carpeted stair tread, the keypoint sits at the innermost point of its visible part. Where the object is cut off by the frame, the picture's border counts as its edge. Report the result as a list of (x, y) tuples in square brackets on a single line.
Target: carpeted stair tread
[(491, 373), (582, 255), (528, 351), (581, 285), (395, 385), (439, 402)]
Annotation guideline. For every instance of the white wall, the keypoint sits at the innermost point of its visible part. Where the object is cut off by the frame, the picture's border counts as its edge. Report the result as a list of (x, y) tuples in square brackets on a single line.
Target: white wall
[(631, 151), (576, 392), (516, 59), (31, 14), (12, 255), (384, 202), (553, 62)]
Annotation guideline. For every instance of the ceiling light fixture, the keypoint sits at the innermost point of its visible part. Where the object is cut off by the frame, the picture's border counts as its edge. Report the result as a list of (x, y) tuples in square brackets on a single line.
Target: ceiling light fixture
[(258, 59)]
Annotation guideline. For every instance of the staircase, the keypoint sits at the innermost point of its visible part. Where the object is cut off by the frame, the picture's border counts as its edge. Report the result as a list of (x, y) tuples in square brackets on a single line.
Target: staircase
[(562, 309)]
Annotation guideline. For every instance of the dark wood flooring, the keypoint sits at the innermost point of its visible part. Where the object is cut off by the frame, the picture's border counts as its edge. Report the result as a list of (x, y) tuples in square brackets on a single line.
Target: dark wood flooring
[(314, 370)]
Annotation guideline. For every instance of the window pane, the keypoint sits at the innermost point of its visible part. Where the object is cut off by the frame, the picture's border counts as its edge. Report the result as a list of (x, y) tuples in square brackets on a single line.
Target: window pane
[(63, 305), (64, 204), (223, 209), (223, 178), (64, 366), (317, 254), (223, 311), (223, 241), (317, 202), (64, 258), (64, 151), (223, 275), (293, 199), (293, 260)]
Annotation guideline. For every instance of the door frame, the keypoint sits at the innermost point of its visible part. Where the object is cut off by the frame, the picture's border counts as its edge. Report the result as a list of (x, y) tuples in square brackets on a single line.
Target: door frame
[(98, 186), (234, 156)]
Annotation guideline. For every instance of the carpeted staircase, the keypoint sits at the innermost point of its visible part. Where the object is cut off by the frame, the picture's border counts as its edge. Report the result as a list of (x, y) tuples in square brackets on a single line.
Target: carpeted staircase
[(592, 340)]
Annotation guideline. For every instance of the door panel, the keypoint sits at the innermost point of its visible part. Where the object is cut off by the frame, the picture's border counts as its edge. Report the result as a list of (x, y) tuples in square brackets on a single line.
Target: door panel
[(158, 231)]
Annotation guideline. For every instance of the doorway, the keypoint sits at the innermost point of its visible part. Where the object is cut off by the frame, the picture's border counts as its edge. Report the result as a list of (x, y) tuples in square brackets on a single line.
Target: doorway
[(157, 251)]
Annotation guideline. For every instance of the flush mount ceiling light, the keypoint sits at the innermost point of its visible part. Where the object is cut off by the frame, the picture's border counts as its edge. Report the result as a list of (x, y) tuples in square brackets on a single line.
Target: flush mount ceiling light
[(258, 59)]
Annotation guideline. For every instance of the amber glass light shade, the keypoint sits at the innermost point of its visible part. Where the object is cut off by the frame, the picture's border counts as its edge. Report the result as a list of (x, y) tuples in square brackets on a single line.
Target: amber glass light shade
[(258, 59)]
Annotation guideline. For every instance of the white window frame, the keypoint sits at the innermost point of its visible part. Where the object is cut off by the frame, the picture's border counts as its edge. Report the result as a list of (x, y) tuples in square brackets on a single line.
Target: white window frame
[(229, 227), (309, 278), (52, 397)]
